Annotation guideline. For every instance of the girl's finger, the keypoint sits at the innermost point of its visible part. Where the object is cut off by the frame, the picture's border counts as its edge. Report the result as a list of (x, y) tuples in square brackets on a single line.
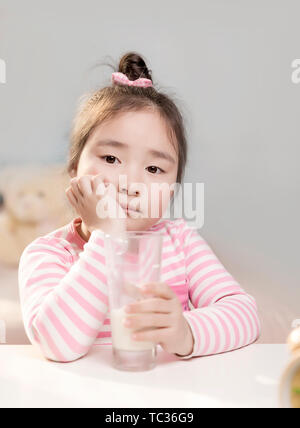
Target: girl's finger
[(147, 320), (158, 289), (75, 188), (71, 197), (149, 305), (157, 335), (96, 182), (85, 185)]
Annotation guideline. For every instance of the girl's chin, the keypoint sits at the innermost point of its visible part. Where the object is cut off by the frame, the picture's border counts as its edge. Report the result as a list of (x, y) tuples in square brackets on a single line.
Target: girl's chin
[(139, 224), (135, 216)]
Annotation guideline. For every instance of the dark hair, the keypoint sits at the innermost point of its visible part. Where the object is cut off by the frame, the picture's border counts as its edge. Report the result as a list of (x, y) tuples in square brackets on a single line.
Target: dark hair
[(109, 101)]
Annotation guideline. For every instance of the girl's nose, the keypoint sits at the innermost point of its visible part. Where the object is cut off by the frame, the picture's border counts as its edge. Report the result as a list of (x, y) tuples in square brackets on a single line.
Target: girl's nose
[(132, 191), (131, 182), (129, 186)]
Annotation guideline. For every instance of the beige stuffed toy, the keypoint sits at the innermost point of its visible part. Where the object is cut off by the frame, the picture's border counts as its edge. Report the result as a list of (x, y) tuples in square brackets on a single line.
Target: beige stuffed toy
[(33, 203)]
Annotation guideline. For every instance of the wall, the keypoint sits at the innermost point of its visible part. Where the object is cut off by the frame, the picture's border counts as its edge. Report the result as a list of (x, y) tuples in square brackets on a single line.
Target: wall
[(229, 64)]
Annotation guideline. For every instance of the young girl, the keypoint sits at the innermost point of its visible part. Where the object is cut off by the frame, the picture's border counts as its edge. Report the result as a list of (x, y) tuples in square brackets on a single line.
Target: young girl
[(129, 129)]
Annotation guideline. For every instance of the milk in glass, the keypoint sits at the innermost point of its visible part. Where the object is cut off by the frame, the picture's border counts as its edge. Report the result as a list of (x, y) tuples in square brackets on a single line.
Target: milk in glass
[(121, 335)]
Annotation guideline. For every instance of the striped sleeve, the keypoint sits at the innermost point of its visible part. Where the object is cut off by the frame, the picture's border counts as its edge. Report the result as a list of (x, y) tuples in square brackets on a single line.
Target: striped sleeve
[(225, 316), (64, 302)]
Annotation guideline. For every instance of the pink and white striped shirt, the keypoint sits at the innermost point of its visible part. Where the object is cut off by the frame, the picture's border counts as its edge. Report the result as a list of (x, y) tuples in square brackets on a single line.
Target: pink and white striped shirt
[(64, 292)]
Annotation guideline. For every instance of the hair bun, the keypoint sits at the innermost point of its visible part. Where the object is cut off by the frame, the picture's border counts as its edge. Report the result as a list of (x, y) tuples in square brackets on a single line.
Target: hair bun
[(133, 66)]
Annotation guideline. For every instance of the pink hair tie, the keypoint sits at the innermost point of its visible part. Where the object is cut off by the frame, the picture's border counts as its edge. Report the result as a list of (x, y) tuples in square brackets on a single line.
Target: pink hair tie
[(123, 80)]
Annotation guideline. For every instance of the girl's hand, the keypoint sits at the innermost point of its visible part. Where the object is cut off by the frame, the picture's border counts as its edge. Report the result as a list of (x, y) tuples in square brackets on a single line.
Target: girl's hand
[(83, 196), (162, 316)]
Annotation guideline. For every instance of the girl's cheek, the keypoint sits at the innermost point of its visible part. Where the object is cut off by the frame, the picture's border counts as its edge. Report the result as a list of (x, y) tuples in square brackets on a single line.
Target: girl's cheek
[(164, 202), (158, 203), (89, 166), (84, 167)]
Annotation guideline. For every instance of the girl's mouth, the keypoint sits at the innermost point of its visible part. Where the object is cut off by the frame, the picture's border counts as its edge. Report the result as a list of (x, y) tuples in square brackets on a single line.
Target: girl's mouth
[(130, 211), (127, 209)]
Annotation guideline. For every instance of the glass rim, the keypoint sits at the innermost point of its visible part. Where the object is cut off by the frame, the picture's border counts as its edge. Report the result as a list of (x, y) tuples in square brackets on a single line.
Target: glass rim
[(136, 234), (144, 232)]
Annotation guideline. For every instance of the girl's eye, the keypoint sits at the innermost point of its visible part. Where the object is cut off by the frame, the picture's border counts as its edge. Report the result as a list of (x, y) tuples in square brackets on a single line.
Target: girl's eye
[(109, 159), (154, 170)]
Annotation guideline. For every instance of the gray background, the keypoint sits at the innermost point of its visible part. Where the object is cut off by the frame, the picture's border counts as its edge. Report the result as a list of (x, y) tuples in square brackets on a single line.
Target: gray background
[(229, 65)]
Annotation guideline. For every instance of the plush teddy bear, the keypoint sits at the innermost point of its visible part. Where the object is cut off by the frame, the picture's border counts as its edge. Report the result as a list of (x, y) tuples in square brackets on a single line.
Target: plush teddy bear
[(32, 204)]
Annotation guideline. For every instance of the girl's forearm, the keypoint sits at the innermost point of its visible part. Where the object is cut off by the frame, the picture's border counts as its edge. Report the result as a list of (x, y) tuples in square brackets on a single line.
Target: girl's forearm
[(64, 310)]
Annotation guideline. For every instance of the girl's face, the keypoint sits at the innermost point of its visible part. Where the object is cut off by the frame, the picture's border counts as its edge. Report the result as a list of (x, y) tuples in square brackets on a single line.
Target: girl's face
[(135, 145)]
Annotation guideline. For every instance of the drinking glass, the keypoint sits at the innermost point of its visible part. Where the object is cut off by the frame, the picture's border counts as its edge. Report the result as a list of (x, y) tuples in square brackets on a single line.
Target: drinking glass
[(132, 260)]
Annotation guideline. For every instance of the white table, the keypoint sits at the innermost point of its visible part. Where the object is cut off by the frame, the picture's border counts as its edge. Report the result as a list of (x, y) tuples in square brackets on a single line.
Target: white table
[(246, 377)]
